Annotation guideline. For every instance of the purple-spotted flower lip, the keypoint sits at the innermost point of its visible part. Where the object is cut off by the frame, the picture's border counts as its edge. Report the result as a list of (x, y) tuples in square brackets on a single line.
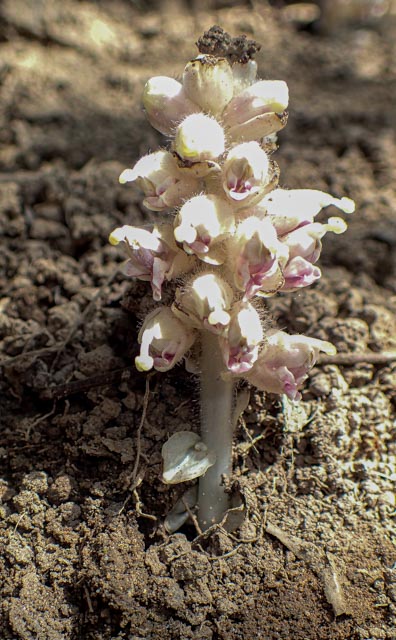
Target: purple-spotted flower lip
[(245, 172), (153, 255), (256, 257), (202, 224), (285, 361), (205, 302), (299, 273), (158, 176), (240, 344), (163, 339)]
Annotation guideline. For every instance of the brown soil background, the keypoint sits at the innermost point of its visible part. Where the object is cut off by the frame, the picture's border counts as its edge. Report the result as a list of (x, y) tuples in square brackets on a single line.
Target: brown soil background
[(83, 552)]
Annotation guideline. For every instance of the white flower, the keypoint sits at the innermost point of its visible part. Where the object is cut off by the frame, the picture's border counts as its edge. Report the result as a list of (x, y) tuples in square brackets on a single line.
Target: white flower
[(158, 176), (256, 257), (205, 303), (245, 172), (153, 255), (284, 363), (244, 75), (265, 96), (258, 111), (164, 340), (198, 138), (208, 81), (240, 345), (166, 103), (201, 224), (289, 208)]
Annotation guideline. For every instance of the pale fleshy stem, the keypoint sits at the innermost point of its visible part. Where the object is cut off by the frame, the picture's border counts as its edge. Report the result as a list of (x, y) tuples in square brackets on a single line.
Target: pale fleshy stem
[(217, 399)]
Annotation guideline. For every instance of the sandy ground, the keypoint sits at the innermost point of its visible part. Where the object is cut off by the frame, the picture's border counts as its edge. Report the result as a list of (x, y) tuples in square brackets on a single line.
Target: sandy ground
[(84, 554)]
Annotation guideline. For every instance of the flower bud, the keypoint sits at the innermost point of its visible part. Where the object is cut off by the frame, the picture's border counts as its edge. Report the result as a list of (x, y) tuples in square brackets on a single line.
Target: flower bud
[(244, 75), (153, 256), (166, 103), (283, 365), (198, 138), (201, 224), (241, 344), (208, 81), (256, 257), (291, 208), (262, 126), (164, 340), (158, 177), (205, 303), (265, 96), (245, 172)]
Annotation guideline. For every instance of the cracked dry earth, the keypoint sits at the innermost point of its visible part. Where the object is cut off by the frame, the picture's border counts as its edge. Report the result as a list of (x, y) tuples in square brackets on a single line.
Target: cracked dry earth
[(83, 552)]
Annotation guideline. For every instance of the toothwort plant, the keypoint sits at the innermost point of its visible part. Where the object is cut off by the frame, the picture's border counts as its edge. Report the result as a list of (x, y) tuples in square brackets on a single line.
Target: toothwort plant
[(228, 237)]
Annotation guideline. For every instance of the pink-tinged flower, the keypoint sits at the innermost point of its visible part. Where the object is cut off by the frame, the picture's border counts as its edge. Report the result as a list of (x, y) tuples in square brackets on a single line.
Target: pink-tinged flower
[(240, 345), (163, 340), (283, 365), (292, 208), (264, 96), (158, 176), (305, 241), (304, 246), (166, 103), (205, 303), (246, 173), (256, 257), (202, 224), (153, 255), (199, 138), (299, 273), (208, 81), (258, 111)]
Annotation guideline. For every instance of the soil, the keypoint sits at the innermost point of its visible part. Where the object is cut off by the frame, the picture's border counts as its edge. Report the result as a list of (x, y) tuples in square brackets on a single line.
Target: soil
[(84, 553)]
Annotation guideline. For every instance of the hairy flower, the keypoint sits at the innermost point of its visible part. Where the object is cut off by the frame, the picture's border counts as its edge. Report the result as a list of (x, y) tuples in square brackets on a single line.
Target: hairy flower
[(256, 257), (199, 138), (166, 103), (205, 303), (258, 111), (265, 96), (291, 208), (245, 172), (299, 273), (304, 247), (201, 224), (158, 176), (208, 81), (153, 255), (284, 363), (164, 340), (240, 345), (244, 75)]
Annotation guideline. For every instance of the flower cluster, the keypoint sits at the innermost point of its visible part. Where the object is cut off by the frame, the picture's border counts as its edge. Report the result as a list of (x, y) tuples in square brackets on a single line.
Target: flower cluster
[(233, 236)]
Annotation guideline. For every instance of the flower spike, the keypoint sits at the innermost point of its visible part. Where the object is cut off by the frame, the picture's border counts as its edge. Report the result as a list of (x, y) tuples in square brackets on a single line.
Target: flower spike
[(231, 238)]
